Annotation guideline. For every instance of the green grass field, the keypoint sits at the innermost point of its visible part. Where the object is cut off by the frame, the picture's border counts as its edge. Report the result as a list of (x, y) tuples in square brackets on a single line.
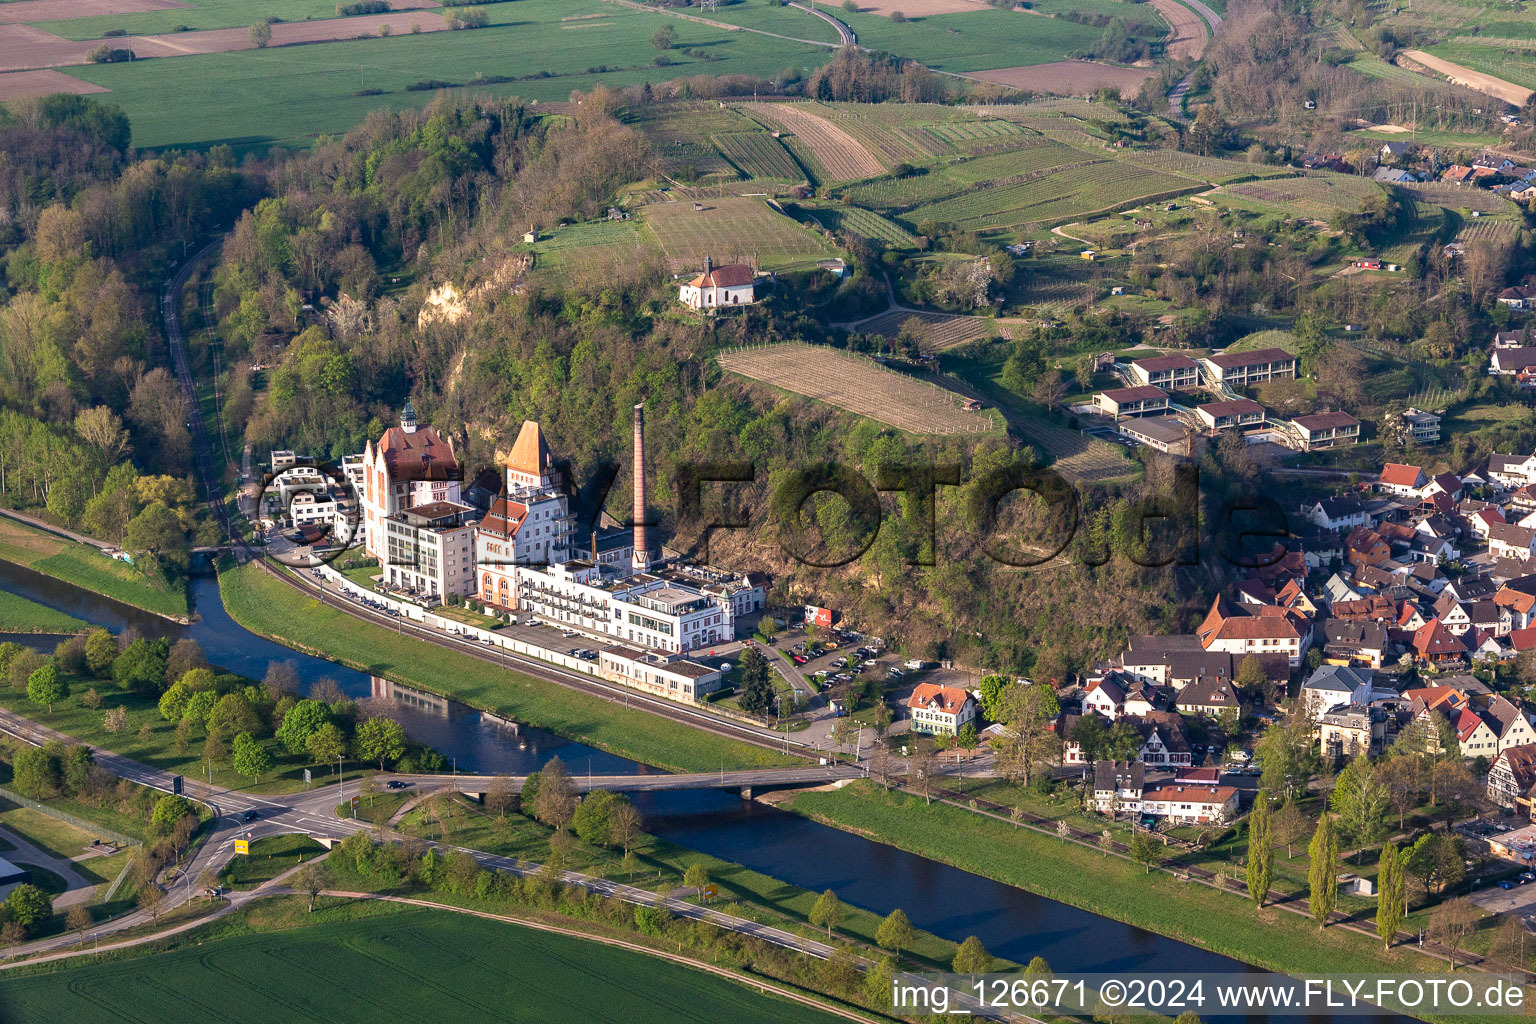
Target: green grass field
[(201, 15), (382, 963), (291, 95), (783, 21), (268, 607), (733, 229), (976, 40), (86, 567), (270, 857), (19, 615), (1059, 195), (599, 246)]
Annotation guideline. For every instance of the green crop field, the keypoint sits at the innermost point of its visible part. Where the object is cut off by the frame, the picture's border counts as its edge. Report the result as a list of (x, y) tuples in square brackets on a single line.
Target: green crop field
[(1064, 193), (759, 155), (977, 40), (386, 963), (596, 246), (783, 21), (290, 95), (733, 229), (201, 14), (867, 224)]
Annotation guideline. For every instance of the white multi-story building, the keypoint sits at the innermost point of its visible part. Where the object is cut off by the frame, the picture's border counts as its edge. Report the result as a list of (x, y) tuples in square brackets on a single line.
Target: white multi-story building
[(645, 609), (529, 523), (429, 550), (409, 467), (674, 678)]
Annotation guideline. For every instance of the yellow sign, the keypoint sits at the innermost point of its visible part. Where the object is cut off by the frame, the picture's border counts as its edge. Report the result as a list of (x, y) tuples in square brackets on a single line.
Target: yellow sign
[(710, 891), (243, 846)]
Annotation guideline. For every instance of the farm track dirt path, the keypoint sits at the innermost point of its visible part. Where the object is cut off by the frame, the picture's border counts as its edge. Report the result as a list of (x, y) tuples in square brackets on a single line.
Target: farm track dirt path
[(1486, 84)]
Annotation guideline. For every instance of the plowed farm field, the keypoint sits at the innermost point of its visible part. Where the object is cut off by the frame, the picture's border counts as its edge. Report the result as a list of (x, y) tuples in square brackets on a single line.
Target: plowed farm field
[(858, 385)]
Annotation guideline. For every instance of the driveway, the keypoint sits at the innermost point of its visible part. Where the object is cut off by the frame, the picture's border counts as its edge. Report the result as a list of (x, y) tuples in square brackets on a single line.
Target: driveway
[(1519, 900), (80, 889)]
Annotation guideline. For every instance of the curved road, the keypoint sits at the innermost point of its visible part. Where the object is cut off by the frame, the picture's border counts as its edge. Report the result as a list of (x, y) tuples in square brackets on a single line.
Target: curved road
[(1181, 89)]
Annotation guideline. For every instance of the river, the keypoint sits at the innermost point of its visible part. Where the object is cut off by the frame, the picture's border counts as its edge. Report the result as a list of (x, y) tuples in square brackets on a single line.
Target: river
[(946, 901)]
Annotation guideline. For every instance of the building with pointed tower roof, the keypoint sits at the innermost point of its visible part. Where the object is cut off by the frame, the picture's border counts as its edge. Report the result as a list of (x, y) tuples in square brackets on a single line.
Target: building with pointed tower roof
[(410, 466), (528, 524)]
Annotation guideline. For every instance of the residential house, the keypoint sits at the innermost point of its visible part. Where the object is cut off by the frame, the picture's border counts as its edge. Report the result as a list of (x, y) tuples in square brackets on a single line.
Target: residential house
[(1105, 697), (1148, 657), (940, 710), (1512, 471), (1171, 373), (1364, 546), (1362, 642), (1423, 427), (1436, 645), (1241, 369), (1344, 512), (1329, 686), (1141, 400), (1350, 730), (1475, 734), (1238, 413), (1117, 785), (1397, 478), (1327, 430), (1211, 696), (1519, 596), (1518, 296), (1160, 433), (1183, 803), (1506, 540), (1512, 777), (1509, 722), (1228, 629)]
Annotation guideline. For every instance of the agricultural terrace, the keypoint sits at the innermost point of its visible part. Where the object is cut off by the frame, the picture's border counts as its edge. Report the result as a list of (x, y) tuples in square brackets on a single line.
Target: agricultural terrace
[(858, 385), (534, 49), (840, 156), (759, 155), (898, 131), (736, 229), (963, 177), (1214, 170), (1454, 197), (363, 963), (854, 220), (1313, 195), (939, 331), (1054, 196)]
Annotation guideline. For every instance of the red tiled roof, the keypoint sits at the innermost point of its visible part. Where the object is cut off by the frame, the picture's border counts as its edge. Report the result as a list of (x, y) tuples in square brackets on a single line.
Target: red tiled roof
[(422, 455), (1399, 475), (947, 699)]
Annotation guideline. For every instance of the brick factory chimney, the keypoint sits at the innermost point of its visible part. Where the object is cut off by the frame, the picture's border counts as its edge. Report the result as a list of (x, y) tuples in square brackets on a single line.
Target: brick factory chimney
[(642, 541)]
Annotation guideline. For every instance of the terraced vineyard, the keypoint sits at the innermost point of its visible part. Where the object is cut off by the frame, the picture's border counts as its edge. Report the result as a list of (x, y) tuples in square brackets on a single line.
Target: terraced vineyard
[(839, 154), (858, 385), (733, 229), (894, 144), (1053, 196), (939, 331), (759, 155), (1315, 196), (1215, 170), (1458, 197), (698, 122), (965, 134), (1487, 231), (866, 224), (953, 179)]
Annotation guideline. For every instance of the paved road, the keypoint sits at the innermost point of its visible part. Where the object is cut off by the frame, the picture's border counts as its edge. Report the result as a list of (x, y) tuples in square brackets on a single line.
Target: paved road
[(79, 889), (1181, 89)]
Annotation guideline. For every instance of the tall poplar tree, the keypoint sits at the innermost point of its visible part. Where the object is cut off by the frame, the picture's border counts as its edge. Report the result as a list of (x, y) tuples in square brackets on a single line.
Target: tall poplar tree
[(1391, 894), (1324, 873), (1261, 849)]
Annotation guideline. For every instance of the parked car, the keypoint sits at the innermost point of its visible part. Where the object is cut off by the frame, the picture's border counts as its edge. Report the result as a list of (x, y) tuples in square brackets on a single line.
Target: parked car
[(1506, 884), (801, 659)]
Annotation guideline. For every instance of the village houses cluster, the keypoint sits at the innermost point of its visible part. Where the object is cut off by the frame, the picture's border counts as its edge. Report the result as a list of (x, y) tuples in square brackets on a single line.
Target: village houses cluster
[(1426, 579)]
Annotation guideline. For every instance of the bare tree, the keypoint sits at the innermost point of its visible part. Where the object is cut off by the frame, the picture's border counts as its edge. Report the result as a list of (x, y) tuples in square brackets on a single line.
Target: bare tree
[(1452, 922), (151, 900), (310, 880), (920, 768), (499, 796)]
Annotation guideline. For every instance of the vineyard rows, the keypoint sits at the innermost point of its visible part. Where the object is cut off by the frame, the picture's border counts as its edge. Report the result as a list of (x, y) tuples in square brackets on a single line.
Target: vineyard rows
[(733, 229), (866, 224), (759, 155), (1203, 168), (1313, 196), (1456, 197), (1063, 193), (858, 385), (842, 156), (896, 145), (687, 122), (939, 331), (962, 177)]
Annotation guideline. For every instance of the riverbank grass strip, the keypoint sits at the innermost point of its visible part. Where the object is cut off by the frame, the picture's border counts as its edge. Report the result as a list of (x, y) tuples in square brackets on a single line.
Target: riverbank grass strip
[(269, 607), (20, 615), (87, 567)]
